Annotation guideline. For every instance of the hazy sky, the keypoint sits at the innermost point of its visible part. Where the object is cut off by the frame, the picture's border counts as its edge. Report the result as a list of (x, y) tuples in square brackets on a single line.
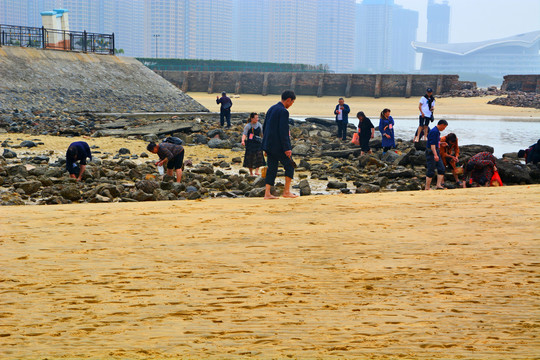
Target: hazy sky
[(479, 20)]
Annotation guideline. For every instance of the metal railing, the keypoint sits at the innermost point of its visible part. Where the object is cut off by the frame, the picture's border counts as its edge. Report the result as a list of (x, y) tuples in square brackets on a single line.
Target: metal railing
[(11, 35)]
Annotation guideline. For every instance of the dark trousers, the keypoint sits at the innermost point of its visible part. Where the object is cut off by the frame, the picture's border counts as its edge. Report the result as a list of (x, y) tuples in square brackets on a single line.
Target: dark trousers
[(342, 129), (431, 164), (225, 114), (272, 161)]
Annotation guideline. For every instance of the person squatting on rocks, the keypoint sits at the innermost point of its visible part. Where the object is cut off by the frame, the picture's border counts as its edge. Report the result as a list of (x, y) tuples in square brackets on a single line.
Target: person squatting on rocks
[(366, 131), (480, 169), (77, 151), (277, 144), (171, 154), (450, 153), (342, 118), (252, 140), (433, 156), (225, 109), (531, 154), (386, 127), (426, 106)]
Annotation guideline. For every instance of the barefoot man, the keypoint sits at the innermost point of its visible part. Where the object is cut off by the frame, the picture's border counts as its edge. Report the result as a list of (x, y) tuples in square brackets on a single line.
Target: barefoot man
[(433, 155), (277, 144)]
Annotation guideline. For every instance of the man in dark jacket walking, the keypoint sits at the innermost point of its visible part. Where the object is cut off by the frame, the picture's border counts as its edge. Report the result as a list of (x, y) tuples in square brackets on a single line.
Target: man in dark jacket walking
[(225, 109), (277, 144)]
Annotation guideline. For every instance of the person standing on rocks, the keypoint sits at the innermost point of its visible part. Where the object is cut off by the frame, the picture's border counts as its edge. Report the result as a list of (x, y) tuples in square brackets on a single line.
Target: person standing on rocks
[(366, 132), (386, 127), (77, 151), (169, 153), (433, 156), (277, 144), (342, 118), (225, 109), (252, 140), (426, 107)]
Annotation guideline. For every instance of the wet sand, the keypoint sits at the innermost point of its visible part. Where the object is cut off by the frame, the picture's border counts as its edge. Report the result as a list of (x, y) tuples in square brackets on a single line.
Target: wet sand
[(401, 107), (418, 275)]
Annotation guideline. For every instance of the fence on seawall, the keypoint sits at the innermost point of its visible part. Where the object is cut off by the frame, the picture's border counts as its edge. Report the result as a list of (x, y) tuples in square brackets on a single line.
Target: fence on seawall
[(42, 38), (317, 84)]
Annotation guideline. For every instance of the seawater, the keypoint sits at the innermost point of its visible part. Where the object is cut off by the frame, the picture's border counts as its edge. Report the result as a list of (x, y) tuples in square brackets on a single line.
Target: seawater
[(502, 134)]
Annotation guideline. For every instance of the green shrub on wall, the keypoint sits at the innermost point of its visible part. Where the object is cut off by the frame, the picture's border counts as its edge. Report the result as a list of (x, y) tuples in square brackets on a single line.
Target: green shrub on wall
[(228, 65)]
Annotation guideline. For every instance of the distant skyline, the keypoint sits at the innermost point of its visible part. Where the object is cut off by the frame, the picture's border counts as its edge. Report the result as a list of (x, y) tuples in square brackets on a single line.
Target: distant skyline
[(480, 20)]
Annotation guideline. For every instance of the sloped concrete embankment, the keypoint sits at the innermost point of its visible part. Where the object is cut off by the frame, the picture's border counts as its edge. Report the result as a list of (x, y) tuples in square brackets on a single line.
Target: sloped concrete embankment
[(33, 79)]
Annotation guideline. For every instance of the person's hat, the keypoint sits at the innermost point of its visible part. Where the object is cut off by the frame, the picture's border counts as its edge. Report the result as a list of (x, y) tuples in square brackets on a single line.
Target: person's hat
[(429, 90)]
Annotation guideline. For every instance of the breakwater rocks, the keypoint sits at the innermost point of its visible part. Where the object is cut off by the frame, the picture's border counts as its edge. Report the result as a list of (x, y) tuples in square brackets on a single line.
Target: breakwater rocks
[(518, 99), (506, 98), (325, 165)]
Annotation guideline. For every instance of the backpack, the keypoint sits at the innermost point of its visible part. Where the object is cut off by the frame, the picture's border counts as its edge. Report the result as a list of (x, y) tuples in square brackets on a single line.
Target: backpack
[(173, 140)]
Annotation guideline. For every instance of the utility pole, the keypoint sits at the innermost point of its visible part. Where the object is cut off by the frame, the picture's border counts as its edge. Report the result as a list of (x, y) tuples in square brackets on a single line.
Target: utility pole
[(156, 37)]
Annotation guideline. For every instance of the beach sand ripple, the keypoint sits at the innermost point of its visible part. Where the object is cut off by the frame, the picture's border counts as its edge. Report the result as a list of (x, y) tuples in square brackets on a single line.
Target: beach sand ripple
[(444, 274)]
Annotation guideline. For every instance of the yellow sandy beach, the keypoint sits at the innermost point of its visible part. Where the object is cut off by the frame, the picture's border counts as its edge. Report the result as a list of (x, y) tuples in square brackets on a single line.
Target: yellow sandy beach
[(324, 106), (444, 274), (417, 275)]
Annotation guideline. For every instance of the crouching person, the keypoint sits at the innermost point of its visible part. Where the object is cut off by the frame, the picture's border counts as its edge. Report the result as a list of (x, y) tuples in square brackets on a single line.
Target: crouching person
[(171, 154), (77, 151)]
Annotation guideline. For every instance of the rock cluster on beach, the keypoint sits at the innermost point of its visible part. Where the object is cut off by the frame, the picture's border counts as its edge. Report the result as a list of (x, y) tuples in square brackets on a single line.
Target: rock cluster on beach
[(506, 98), (127, 177), (518, 99)]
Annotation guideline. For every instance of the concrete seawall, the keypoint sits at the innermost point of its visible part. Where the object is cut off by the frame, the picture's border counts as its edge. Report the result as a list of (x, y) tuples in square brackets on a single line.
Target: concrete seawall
[(526, 83), (318, 84), (76, 82)]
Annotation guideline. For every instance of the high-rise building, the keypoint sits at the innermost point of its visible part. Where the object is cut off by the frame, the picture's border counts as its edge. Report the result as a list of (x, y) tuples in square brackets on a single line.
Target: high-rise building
[(192, 29), (209, 29), (438, 16), (128, 26), (251, 30), (404, 28), (336, 34), (15, 12), (165, 28), (384, 32), (292, 31)]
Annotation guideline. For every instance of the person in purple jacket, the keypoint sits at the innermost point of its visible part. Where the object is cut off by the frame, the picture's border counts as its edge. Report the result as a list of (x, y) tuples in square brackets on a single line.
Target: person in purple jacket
[(225, 109)]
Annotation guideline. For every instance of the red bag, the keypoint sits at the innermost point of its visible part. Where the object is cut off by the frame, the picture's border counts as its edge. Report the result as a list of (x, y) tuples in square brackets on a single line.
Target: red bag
[(496, 179), (355, 139)]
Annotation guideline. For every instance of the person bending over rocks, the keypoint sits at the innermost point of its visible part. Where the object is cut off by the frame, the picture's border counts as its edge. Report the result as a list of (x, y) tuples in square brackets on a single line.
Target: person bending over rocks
[(531, 154), (480, 168), (450, 153), (171, 154), (77, 151)]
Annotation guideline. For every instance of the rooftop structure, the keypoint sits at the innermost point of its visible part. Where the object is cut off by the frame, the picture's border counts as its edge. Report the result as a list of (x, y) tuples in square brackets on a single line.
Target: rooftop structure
[(517, 54)]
